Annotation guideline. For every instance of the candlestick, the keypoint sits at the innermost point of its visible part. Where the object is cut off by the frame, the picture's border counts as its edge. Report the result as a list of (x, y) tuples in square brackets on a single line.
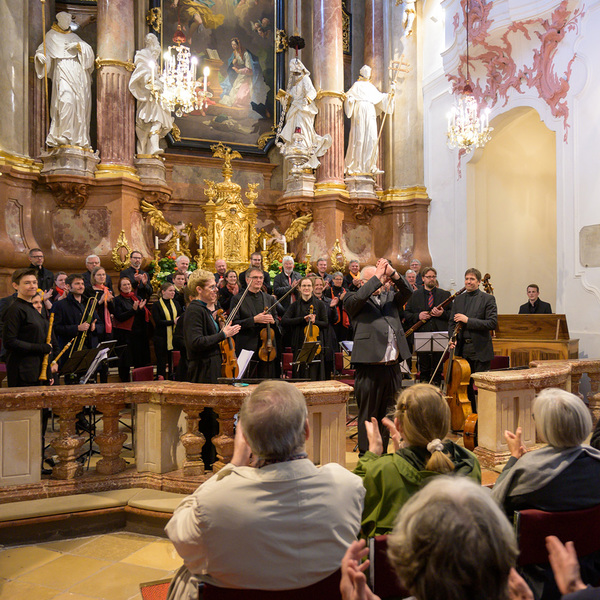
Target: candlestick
[(206, 72), (308, 267)]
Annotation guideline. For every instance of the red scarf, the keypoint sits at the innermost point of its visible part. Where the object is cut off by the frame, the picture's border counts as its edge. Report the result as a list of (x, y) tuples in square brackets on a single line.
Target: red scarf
[(234, 289), (129, 323), (107, 317), (59, 293)]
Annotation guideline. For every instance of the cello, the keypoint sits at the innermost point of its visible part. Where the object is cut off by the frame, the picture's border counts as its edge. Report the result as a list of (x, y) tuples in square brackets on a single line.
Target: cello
[(457, 374)]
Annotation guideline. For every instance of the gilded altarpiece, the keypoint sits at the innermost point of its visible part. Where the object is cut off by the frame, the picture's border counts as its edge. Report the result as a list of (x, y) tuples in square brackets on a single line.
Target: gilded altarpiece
[(230, 224)]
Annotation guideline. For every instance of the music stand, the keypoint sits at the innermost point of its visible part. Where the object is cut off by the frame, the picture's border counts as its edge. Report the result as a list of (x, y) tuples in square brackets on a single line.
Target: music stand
[(430, 343), (306, 356)]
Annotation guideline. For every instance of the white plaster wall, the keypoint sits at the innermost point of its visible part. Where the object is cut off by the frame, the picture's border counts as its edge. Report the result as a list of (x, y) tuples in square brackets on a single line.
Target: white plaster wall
[(577, 159)]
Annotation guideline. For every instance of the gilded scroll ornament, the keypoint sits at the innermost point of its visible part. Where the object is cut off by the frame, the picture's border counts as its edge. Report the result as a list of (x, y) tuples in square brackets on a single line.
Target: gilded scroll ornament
[(121, 252)]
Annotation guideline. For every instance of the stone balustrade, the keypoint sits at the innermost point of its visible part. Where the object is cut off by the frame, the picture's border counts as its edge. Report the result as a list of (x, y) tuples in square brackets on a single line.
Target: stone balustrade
[(505, 400), (167, 448)]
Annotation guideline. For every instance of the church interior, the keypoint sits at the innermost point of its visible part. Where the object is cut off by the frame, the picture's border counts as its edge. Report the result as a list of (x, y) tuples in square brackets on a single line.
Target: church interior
[(218, 129)]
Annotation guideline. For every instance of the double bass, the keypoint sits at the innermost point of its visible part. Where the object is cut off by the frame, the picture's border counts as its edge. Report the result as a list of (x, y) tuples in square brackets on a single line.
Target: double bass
[(457, 374)]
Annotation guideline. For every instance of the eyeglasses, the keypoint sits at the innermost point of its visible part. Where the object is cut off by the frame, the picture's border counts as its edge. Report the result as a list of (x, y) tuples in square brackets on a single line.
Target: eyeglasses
[(37, 256), (258, 277)]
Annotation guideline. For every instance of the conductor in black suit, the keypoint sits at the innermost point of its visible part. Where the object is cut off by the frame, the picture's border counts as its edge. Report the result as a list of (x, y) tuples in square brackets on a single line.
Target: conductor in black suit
[(379, 345), (478, 314), (423, 305), (535, 306)]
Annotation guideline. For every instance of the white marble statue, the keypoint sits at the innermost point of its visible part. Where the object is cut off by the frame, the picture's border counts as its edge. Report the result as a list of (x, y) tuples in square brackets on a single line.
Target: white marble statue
[(70, 62), (152, 122), (301, 113), (409, 12), (363, 103)]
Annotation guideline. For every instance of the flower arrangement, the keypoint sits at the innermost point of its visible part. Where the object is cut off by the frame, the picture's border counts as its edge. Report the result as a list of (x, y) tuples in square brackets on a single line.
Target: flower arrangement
[(275, 268), (167, 266)]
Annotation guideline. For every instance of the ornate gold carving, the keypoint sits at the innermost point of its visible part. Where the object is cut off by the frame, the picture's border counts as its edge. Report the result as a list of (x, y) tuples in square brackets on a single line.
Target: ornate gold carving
[(230, 224), (275, 252), (265, 137), (69, 194), (155, 282), (416, 192), (121, 252), (201, 238), (346, 33), (331, 94), (338, 260), (113, 62), (154, 19), (281, 41), (106, 171), (297, 226), (176, 133), (162, 228)]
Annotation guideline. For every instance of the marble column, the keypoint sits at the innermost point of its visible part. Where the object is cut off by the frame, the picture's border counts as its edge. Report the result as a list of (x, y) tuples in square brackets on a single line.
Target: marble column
[(14, 16), (115, 104), (38, 115), (374, 57), (328, 65)]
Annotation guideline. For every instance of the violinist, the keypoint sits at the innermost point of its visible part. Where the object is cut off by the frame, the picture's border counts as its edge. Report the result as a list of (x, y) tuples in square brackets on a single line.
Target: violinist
[(252, 320), (337, 292), (423, 305), (478, 314), (331, 343), (201, 332), (304, 315)]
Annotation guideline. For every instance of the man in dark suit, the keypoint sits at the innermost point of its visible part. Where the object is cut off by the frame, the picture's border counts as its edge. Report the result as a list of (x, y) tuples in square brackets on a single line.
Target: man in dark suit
[(45, 278), (535, 306), (423, 305), (478, 314), (221, 269), (256, 263), (283, 282), (252, 319), (140, 282), (379, 345)]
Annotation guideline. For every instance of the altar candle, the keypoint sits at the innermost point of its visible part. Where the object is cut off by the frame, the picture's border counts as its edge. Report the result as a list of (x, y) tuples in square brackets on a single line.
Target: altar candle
[(264, 243), (284, 246), (152, 74), (200, 242), (206, 72), (177, 244), (307, 248), (156, 242)]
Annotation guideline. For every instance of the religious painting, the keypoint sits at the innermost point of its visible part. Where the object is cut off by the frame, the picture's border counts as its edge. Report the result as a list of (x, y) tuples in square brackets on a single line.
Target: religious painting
[(234, 41)]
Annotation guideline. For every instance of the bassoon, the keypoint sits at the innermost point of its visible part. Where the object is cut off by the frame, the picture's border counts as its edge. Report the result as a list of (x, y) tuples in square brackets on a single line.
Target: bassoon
[(440, 306)]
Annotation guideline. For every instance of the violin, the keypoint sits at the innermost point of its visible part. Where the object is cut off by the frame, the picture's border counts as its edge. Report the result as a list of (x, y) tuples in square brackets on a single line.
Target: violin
[(311, 331), (457, 373), (229, 364), (267, 352)]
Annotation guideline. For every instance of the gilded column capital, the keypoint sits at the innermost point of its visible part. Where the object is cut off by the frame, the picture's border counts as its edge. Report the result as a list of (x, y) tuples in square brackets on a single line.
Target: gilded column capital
[(113, 62), (331, 94)]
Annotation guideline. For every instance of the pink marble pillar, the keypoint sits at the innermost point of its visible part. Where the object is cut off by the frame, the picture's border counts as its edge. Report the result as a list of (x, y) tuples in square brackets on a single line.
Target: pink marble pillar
[(115, 104), (374, 36), (328, 75)]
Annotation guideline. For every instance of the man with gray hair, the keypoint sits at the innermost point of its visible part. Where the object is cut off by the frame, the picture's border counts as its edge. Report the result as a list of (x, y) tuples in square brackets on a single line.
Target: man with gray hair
[(92, 262), (182, 264), (270, 519)]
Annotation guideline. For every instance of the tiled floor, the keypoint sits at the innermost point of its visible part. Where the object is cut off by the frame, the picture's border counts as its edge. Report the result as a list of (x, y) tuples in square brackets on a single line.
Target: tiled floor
[(104, 567)]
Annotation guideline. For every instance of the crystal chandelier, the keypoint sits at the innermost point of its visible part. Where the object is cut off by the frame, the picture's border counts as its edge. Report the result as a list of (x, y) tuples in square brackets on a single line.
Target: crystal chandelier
[(466, 130), (181, 91)]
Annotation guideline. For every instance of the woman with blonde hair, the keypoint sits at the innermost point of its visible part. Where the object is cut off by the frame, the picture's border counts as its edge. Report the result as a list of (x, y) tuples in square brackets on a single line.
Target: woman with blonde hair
[(422, 420)]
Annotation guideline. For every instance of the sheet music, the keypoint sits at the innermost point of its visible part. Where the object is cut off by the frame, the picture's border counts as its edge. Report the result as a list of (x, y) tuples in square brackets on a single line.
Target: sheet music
[(243, 361)]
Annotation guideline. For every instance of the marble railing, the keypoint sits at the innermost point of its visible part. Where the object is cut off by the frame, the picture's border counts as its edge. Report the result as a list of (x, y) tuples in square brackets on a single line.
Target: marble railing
[(505, 400), (163, 447)]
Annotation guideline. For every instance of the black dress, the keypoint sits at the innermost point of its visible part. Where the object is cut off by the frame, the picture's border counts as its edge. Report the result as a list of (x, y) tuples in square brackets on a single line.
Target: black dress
[(294, 320), (131, 331)]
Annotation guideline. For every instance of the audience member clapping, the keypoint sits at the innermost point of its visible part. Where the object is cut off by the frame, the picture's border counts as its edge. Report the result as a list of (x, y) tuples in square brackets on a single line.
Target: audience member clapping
[(422, 419)]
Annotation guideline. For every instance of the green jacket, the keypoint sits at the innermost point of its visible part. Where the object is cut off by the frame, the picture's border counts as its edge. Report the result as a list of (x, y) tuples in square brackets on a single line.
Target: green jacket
[(391, 479)]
